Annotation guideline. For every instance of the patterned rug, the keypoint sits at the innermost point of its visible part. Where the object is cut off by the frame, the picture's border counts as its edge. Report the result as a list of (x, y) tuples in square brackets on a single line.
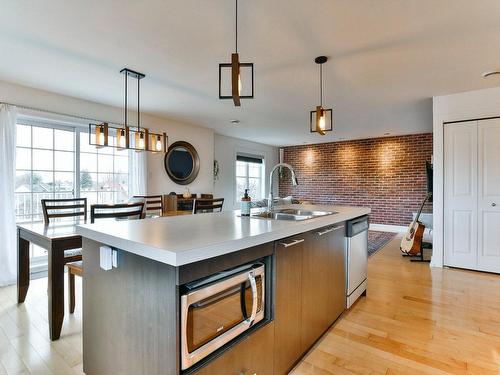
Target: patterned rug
[(377, 240)]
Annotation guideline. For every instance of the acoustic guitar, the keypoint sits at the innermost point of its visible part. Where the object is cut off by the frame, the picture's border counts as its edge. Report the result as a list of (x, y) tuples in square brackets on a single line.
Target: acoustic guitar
[(411, 243)]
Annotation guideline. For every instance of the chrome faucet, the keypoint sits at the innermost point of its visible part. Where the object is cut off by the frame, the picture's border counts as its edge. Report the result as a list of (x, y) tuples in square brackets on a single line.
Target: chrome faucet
[(270, 203)]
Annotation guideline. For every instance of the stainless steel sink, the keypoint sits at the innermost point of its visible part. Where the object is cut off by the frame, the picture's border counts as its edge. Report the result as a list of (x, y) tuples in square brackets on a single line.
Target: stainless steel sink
[(292, 214)]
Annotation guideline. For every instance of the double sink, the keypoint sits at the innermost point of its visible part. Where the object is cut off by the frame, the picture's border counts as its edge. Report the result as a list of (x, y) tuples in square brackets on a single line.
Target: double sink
[(292, 214)]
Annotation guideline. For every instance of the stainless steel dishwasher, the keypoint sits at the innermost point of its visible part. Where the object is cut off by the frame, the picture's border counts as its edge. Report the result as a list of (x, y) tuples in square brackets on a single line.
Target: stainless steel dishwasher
[(356, 255)]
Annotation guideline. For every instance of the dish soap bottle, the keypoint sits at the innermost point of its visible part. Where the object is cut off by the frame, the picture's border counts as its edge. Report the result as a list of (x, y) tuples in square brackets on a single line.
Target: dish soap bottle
[(245, 204)]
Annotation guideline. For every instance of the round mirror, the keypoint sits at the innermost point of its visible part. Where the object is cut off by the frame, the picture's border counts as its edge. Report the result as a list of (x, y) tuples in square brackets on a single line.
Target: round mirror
[(182, 162)]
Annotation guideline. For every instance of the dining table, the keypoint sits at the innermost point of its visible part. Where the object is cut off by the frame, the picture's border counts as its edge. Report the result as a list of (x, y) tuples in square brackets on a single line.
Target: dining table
[(56, 238)]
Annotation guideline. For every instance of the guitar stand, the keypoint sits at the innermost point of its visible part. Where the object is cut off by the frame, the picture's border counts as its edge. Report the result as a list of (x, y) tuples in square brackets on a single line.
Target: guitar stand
[(425, 245)]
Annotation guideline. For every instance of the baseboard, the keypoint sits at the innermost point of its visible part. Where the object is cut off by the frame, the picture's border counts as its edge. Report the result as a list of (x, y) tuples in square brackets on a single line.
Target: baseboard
[(388, 228)]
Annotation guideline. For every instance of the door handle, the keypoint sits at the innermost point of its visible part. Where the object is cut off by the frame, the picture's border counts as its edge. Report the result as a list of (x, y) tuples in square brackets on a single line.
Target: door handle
[(493, 204), (253, 285), (294, 242)]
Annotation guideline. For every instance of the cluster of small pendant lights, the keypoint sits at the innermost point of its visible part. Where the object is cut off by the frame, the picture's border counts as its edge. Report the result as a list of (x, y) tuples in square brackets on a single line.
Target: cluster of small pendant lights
[(124, 137), (141, 139)]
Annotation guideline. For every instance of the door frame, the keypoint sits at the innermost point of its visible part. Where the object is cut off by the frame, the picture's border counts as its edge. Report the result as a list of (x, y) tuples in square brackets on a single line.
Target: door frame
[(449, 109)]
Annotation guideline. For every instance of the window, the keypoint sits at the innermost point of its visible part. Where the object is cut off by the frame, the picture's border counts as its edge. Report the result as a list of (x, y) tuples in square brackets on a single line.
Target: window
[(103, 172), (45, 165), (250, 175), (55, 161)]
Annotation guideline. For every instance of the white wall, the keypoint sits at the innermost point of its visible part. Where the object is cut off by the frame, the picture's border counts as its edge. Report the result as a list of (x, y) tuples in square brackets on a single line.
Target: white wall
[(225, 153), (158, 182), (462, 106)]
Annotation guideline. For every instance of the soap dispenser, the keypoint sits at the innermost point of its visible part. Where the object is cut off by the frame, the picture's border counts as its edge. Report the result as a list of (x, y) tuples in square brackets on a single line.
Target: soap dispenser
[(245, 204)]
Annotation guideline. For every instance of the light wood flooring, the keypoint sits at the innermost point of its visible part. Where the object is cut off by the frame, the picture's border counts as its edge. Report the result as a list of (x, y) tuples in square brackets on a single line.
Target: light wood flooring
[(415, 320), (25, 347)]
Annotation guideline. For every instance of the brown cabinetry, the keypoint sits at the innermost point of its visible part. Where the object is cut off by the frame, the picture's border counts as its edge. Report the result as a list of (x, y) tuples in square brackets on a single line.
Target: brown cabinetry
[(253, 355), (310, 291), (288, 303), (323, 282)]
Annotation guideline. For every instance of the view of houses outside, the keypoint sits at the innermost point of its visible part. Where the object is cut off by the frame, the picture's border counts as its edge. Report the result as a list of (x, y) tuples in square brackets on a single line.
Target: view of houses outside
[(46, 168)]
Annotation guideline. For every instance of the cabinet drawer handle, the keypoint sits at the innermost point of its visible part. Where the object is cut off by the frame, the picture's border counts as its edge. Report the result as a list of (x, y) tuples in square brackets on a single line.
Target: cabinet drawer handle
[(328, 230), (294, 242)]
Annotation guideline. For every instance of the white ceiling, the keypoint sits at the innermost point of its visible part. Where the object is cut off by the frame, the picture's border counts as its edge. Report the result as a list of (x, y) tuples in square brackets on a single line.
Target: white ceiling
[(387, 58)]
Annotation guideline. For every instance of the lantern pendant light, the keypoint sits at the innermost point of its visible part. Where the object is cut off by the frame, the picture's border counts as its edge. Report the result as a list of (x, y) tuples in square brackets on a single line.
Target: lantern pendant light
[(143, 139), (101, 135), (236, 70), (321, 119)]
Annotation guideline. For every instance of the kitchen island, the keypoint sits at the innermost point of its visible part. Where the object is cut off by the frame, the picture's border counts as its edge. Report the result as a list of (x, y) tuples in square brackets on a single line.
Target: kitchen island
[(133, 318)]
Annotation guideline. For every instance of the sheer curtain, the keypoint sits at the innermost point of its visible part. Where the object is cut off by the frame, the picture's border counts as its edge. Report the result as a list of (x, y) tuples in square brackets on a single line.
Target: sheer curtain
[(8, 240), (137, 173)]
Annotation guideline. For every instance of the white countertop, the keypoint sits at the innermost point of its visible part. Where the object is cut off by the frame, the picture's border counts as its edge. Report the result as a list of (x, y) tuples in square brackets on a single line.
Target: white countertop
[(178, 240)]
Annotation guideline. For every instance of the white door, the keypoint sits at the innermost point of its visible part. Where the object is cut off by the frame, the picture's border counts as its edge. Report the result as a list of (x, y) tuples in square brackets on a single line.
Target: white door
[(489, 195), (460, 195)]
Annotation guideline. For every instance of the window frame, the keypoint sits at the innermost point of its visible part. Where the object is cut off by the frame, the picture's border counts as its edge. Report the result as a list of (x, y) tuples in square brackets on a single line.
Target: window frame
[(38, 264), (262, 177)]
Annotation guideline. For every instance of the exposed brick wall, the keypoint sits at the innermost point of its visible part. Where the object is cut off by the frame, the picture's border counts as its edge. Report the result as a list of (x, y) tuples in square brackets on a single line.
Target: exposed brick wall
[(386, 174)]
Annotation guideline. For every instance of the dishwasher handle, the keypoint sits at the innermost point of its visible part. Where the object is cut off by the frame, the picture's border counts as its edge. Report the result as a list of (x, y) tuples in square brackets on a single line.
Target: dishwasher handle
[(358, 225)]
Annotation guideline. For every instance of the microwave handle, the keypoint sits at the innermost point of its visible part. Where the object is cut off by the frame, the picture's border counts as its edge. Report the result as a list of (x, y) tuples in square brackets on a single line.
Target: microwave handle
[(253, 284)]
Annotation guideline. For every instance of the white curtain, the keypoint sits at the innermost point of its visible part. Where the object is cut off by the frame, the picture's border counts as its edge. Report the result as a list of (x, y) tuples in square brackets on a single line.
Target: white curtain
[(137, 173), (8, 240)]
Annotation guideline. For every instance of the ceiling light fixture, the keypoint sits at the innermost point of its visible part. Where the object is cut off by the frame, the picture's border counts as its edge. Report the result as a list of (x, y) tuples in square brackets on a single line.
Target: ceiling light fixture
[(321, 120), (144, 140), (233, 75)]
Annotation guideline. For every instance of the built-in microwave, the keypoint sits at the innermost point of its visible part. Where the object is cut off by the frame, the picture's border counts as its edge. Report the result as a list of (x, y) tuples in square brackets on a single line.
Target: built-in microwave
[(217, 309)]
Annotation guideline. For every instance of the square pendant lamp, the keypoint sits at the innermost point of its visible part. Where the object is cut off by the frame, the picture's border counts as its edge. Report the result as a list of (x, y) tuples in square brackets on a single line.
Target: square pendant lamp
[(236, 79), (321, 119)]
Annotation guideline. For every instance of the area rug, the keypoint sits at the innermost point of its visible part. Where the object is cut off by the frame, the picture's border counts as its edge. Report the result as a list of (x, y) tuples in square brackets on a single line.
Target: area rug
[(377, 240)]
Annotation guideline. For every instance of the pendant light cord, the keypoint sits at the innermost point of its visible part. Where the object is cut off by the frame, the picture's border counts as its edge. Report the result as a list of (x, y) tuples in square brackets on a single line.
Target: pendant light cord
[(236, 26), (126, 99), (138, 105), (321, 85)]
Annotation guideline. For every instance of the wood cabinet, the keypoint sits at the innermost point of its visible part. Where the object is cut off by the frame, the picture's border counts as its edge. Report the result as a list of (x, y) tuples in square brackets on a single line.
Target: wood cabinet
[(323, 282), (253, 355), (310, 291), (288, 303)]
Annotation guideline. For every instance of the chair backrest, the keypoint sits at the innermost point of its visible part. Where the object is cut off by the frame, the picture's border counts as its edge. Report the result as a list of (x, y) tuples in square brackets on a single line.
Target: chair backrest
[(58, 208), (153, 202), (128, 210), (207, 205)]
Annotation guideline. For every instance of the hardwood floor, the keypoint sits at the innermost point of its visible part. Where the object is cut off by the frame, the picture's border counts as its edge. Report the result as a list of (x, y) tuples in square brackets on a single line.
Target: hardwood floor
[(415, 320), (25, 347)]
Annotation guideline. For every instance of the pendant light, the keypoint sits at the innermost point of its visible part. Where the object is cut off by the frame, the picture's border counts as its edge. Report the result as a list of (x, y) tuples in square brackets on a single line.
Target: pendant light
[(143, 139), (101, 135), (321, 119), (232, 73)]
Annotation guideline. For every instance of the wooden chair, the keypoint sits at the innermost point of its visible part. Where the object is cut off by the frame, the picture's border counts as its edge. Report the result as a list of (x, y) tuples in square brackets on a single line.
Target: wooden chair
[(59, 208), (101, 211), (121, 210), (63, 208), (207, 205), (153, 202)]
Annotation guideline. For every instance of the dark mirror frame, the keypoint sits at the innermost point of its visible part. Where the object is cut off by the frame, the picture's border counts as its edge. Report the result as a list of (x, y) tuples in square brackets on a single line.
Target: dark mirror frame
[(196, 162)]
